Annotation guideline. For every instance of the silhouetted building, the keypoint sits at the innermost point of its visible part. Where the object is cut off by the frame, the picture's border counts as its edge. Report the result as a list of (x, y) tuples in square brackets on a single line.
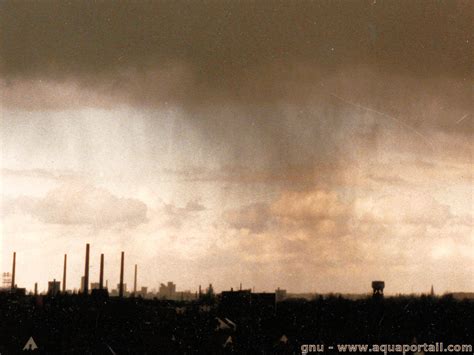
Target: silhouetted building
[(210, 292), (280, 295), (167, 291), (99, 293), (54, 287), (82, 288), (244, 301), (235, 302), (124, 287), (19, 291), (263, 303), (461, 295), (185, 295), (143, 291)]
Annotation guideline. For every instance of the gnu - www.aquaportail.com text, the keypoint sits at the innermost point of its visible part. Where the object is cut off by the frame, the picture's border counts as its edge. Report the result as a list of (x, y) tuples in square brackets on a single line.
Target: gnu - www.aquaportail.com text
[(387, 348)]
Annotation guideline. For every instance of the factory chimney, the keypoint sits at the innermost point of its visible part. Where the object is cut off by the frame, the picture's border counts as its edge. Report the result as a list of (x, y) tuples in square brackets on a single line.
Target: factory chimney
[(135, 281), (36, 289), (64, 273), (13, 270), (121, 275), (101, 276), (86, 272)]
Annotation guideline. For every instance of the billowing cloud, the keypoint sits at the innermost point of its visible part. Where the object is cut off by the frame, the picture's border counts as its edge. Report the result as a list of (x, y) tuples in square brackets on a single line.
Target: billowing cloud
[(308, 207), (404, 208), (194, 206), (254, 217), (322, 233), (176, 216), (81, 204)]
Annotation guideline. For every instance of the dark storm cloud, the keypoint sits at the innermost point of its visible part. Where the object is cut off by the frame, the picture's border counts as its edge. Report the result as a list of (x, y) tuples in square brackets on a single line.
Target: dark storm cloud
[(274, 83), (250, 51)]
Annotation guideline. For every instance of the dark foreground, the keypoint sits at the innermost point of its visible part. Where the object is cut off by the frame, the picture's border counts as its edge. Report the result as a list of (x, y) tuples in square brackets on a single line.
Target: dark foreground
[(79, 325)]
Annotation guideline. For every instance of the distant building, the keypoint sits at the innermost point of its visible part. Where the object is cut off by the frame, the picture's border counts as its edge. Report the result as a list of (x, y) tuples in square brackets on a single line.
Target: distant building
[(263, 303), (280, 295), (143, 291), (99, 293), (54, 287), (461, 295), (235, 302), (19, 291), (81, 289), (244, 301), (210, 291), (186, 295), (95, 285), (115, 292), (167, 291)]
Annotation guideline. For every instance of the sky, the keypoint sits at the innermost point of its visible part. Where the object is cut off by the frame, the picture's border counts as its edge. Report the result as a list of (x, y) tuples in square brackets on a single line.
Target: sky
[(313, 146)]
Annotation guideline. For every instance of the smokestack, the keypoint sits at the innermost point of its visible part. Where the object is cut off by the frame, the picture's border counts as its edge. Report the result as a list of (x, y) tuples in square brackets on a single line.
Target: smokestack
[(64, 273), (101, 277), (135, 281), (36, 289), (13, 270), (86, 272), (121, 275)]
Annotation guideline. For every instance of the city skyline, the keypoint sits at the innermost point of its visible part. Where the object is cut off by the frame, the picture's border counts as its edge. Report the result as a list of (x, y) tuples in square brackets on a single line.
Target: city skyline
[(166, 290), (310, 146)]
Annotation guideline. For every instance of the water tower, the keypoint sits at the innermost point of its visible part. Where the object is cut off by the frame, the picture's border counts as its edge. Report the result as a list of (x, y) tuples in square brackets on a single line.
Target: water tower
[(377, 287)]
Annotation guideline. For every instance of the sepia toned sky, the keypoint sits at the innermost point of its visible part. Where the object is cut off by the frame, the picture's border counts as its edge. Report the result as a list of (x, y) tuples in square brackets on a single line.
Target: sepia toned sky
[(313, 146)]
